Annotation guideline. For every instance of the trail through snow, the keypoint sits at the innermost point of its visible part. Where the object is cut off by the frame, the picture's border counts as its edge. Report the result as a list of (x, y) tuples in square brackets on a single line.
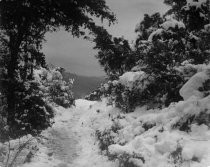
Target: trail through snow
[(71, 142), (63, 141)]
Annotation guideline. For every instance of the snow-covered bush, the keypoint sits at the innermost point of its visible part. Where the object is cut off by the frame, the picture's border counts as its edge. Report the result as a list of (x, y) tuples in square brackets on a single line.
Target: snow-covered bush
[(53, 87), (33, 114), (139, 88), (97, 94), (94, 96), (105, 90), (105, 138), (163, 44), (33, 111), (153, 81), (172, 57), (129, 160), (116, 94), (195, 108), (136, 88), (174, 136), (198, 85)]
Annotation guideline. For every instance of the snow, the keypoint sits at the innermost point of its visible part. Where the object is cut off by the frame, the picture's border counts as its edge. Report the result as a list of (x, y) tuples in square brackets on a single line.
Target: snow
[(207, 27), (172, 23), (194, 3), (167, 25), (188, 70), (199, 130), (191, 150), (192, 36), (13, 147), (50, 75), (144, 138), (76, 125), (106, 86), (156, 146), (72, 141), (155, 134), (115, 82), (128, 79), (53, 87), (191, 88), (165, 146), (155, 33)]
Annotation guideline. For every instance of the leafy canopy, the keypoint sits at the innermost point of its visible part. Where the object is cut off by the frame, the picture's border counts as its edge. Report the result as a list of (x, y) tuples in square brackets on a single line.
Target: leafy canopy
[(51, 14), (22, 30)]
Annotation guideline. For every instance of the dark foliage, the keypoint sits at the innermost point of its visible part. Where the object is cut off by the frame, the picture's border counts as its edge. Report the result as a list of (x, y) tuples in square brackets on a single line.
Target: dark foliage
[(114, 54), (184, 124), (23, 26)]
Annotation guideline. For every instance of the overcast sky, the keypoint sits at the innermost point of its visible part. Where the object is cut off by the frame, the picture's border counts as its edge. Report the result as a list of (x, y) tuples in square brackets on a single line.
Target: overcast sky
[(77, 55)]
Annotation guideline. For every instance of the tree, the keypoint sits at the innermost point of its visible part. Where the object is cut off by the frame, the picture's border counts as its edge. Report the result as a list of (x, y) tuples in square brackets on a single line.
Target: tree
[(163, 45), (147, 25), (114, 54), (194, 14), (24, 23), (179, 37)]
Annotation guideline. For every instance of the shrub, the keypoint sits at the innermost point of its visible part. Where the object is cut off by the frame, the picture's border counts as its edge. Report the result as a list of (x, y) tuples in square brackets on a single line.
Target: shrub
[(95, 95), (107, 137), (127, 160), (184, 124), (32, 114), (176, 156), (54, 88), (205, 89)]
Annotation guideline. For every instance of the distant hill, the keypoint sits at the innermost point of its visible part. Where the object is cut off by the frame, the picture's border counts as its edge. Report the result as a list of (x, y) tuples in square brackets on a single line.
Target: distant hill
[(83, 85)]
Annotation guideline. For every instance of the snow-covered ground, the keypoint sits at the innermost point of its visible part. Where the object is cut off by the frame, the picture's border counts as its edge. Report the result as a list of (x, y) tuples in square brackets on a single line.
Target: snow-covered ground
[(176, 136), (71, 141), (149, 138)]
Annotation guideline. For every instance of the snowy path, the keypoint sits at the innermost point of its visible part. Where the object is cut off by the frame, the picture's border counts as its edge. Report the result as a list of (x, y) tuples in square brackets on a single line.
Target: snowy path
[(71, 141), (63, 142), (60, 145)]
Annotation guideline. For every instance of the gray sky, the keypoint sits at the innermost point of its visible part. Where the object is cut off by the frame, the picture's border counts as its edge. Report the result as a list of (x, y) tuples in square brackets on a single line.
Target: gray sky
[(77, 56)]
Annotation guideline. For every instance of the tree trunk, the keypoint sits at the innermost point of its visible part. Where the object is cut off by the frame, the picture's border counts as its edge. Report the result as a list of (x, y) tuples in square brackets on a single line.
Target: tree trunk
[(11, 85)]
